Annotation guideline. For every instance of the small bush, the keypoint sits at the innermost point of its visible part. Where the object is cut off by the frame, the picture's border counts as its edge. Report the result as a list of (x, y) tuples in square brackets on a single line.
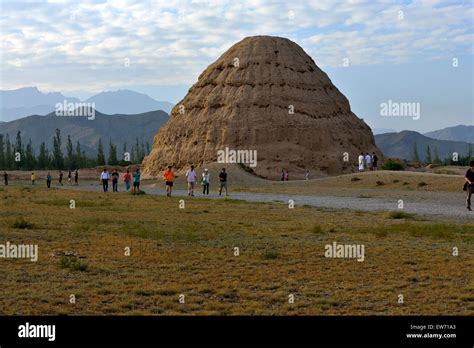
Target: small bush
[(379, 183), (421, 184), (139, 192), (317, 229), (270, 255), (405, 183), (355, 179), (392, 165), (399, 215), (21, 223), (72, 263), (395, 181)]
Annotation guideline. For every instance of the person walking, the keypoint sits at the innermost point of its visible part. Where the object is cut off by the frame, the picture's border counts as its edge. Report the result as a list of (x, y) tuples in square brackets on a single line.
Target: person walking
[(223, 182), (61, 177), (76, 177), (307, 174), (361, 162), (48, 180), (115, 179), (136, 181), (191, 177), (33, 178), (104, 177), (5, 178), (375, 159), (282, 175), (69, 177), (469, 178), (287, 175), (205, 182), (169, 178), (368, 161), (127, 178)]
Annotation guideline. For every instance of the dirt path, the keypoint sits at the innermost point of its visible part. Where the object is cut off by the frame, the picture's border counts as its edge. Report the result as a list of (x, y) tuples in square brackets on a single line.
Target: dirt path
[(430, 204)]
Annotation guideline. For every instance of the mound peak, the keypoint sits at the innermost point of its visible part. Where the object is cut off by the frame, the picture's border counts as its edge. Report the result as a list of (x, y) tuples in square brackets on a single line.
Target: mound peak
[(265, 94)]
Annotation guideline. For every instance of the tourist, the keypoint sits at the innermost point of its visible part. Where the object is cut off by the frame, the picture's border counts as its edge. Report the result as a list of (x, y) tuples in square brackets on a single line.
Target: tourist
[(104, 177), (33, 178), (61, 178), (287, 175), (361, 162), (282, 175), (223, 182), (136, 181), (127, 178), (368, 161), (69, 176), (115, 179), (5, 178), (76, 177), (169, 177), (307, 174), (469, 177), (374, 161), (48, 180), (205, 182), (191, 180)]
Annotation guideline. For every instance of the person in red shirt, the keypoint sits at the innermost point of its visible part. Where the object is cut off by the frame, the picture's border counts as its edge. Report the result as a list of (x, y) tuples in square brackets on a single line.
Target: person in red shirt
[(127, 178), (169, 177)]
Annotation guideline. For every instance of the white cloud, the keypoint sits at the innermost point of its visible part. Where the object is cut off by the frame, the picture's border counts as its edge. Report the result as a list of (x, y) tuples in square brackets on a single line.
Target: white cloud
[(63, 44)]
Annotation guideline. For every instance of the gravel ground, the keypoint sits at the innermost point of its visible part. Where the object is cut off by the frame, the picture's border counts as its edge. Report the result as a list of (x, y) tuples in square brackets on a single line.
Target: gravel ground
[(441, 205)]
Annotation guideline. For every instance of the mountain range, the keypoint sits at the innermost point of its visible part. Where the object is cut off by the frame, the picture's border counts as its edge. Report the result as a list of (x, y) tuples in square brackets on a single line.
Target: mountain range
[(118, 128), (18, 103), (456, 133), (401, 145)]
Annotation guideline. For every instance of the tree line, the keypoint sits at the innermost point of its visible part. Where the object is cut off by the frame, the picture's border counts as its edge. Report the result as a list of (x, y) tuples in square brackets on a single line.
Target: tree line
[(14, 155), (456, 159)]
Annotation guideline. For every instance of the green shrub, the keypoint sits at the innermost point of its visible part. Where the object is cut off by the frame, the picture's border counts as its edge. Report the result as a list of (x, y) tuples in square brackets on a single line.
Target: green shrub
[(392, 165), (21, 223), (421, 184), (72, 263), (355, 179), (396, 214), (317, 229), (379, 183)]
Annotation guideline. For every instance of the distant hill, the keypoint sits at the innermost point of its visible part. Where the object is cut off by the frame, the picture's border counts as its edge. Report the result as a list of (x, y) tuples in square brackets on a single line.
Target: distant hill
[(118, 128), (22, 102), (457, 133), (127, 102), (382, 130), (401, 145), (26, 101)]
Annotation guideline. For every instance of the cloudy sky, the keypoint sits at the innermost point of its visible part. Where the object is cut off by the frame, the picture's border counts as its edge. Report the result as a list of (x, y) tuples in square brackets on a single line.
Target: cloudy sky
[(374, 51)]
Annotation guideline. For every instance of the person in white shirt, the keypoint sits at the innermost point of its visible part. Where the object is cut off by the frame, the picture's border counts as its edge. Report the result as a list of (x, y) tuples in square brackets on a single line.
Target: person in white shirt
[(307, 174), (361, 162), (104, 177), (368, 161), (191, 177), (205, 182)]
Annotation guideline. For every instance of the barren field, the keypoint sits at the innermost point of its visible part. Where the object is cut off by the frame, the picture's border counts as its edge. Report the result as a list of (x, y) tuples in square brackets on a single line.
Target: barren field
[(191, 252)]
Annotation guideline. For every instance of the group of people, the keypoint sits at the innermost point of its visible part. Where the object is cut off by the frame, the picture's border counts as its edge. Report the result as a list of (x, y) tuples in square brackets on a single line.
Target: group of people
[(368, 161), (192, 178), (168, 177), (105, 176)]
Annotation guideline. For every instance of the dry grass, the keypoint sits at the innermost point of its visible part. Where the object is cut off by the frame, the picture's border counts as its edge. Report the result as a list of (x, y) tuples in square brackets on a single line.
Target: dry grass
[(191, 251)]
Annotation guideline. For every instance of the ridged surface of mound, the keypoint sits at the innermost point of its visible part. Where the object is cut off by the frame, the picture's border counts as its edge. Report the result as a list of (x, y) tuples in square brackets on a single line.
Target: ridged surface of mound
[(245, 100)]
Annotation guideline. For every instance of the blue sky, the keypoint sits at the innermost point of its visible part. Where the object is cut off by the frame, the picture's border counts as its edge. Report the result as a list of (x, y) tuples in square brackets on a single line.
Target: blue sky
[(394, 50)]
